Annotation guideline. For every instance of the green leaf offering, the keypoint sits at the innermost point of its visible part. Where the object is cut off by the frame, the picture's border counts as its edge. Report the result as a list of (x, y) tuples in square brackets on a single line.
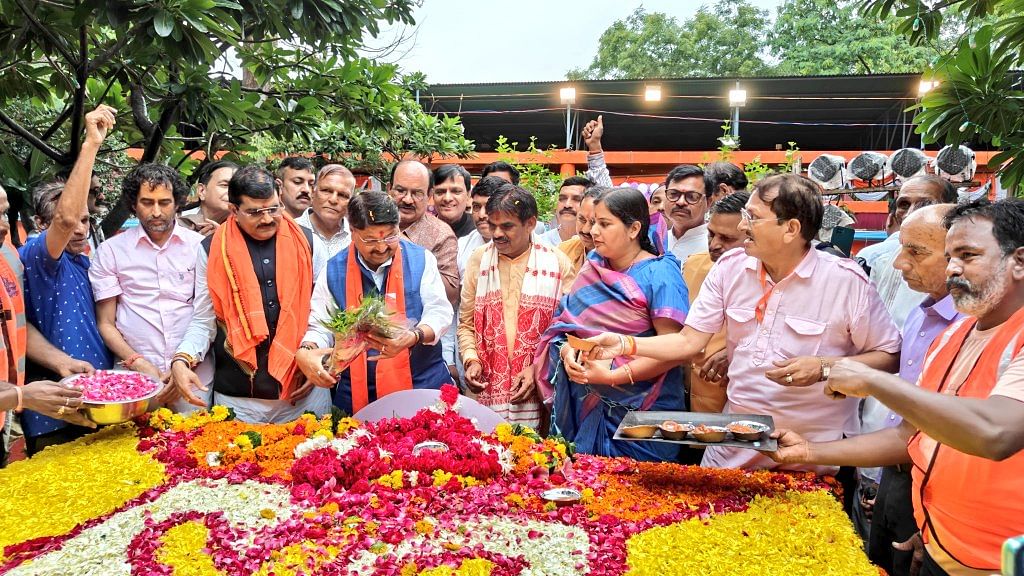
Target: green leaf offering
[(370, 317)]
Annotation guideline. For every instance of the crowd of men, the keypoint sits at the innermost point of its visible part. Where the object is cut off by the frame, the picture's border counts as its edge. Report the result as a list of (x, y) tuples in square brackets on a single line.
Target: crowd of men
[(905, 362)]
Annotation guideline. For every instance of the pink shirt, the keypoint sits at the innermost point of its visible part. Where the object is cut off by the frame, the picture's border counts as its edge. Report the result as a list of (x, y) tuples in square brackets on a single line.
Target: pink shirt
[(155, 286), (826, 307)]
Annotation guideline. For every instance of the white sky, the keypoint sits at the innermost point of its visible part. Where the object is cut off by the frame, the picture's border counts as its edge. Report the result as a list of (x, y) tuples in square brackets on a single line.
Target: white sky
[(456, 41)]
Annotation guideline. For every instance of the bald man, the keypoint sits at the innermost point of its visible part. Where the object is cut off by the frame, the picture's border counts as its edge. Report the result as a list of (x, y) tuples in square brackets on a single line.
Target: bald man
[(411, 183), (921, 261), (327, 216)]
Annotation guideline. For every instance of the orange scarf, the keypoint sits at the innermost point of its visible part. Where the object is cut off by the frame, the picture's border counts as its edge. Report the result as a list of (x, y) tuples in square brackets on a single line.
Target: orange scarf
[(238, 300), (392, 375), (15, 337)]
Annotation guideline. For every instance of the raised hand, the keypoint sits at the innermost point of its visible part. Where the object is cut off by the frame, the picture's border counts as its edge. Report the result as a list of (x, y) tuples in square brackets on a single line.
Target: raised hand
[(99, 122), (592, 134)]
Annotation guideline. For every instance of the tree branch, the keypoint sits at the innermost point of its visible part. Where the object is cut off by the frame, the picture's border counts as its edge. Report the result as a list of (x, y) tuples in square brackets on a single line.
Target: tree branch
[(57, 43), (137, 100), (64, 115), (867, 68), (32, 139), (82, 78), (107, 54)]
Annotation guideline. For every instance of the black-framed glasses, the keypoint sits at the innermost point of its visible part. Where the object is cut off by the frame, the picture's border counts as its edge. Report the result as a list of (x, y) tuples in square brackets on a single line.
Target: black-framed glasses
[(691, 197), (260, 212)]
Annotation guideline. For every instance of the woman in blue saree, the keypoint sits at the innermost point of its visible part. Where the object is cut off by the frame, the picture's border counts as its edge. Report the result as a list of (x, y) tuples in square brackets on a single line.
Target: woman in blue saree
[(626, 286)]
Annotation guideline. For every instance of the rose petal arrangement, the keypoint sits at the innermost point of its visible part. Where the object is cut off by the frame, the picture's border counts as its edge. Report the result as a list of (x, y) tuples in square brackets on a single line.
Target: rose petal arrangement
[(110, 386), (205, 494)]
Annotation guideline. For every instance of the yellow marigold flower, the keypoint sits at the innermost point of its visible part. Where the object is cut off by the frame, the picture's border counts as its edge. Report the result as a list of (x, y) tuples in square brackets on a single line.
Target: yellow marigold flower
[(441, 477), (549, 506), (504, 432), (540, 459), (268, 514), (105, 465), (182, 549), (243, 442), (521, 445), (821, 542), (325, 432), (587, 495), (424, 527), (410, 569), (514, 499)]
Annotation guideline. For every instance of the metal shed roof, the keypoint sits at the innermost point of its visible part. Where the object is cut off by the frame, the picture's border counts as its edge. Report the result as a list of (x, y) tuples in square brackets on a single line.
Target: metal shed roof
[(817, 112)]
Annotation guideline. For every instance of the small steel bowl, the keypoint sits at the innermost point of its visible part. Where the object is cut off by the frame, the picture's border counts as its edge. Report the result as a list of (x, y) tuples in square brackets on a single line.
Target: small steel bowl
[(429, 445), (116, 412), (562, 496), (640, 431), (675, 430), (759, 428)]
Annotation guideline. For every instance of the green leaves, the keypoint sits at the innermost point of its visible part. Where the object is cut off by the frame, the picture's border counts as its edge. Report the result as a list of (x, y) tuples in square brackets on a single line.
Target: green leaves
[(163, 24)]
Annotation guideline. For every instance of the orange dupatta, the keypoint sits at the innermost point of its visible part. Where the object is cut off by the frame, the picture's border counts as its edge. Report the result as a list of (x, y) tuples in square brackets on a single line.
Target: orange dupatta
[(238, 300), (15, 338), (392, 375)]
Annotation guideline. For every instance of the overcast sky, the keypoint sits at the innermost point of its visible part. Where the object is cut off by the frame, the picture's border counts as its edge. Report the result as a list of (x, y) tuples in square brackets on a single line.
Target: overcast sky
[(456, 41)]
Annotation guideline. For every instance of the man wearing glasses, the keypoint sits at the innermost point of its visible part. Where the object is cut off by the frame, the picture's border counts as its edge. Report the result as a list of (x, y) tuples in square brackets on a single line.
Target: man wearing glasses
[(254, 280), (411, 182), (334, 187), (789, 313), (379, 262), (687, 202)]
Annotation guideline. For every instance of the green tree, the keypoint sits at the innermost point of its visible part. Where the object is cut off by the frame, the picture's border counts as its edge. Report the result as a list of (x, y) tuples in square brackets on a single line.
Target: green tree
[(978, 98), (829, 37), (723, 40), (170, 68)]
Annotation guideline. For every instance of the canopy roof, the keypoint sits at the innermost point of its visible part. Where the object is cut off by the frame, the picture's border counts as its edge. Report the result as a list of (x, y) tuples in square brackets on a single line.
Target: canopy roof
[(817, 112)]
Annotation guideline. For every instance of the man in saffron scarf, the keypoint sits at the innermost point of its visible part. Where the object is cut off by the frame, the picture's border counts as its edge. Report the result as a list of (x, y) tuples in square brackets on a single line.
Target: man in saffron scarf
[(963, 423), (254, 278), (512, 286), (623, 286), (380, 262)]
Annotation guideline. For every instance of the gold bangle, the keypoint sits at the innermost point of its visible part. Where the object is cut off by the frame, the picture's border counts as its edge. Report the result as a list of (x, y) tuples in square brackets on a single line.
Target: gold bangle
[(629, 373)]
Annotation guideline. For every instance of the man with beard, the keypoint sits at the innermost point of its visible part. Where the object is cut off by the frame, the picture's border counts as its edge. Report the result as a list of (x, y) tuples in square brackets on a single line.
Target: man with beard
[(512, 287), (963, 424), (332, 192), (570, 194), (58, 296), (451, 198), (254, 279), (379, 262), (144, 279), (708, 372), (922, 263), (686, 197), (294, 181), (577, 247), (411, 183), (789, 313), (212, 189)]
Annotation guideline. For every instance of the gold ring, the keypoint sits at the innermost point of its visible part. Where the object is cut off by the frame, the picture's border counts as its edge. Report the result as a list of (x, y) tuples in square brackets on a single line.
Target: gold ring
[(61, 410)]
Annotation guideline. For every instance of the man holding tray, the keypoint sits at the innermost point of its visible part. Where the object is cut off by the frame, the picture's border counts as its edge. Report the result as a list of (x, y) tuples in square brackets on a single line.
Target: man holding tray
[(790, 312)]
